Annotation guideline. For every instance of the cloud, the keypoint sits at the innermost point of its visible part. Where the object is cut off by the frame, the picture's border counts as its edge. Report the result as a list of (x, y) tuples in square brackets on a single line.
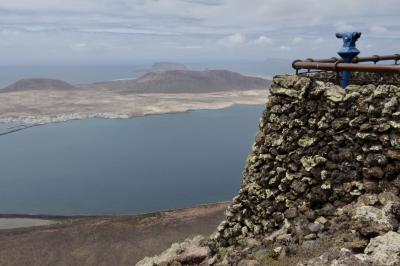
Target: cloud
[(378, 29), (206, 2), (79, 46), (126, 30), (342, 26), (234, 40), (240, 40), (316, 20), (319, 40), (284, 48), (192, 47), (263, 40), (297, 40)]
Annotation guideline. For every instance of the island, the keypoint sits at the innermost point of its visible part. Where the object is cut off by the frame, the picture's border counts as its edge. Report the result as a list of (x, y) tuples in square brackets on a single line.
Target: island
[(39, 101)]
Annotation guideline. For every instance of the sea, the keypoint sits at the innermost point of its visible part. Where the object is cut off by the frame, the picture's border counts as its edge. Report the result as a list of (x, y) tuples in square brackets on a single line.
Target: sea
[(126, 166)]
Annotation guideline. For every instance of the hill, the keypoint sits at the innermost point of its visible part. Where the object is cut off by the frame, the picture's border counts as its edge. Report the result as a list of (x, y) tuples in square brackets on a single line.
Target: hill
[(165, 66), (38, 84), (186, 81), (113, 240)]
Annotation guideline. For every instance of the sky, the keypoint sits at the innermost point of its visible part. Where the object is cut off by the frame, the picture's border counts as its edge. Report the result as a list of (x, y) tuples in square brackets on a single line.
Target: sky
[(37, 32)]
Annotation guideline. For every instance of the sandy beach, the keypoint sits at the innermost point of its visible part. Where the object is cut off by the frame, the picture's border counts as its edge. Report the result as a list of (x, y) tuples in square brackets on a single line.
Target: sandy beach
[(13, 223), (46, 106)]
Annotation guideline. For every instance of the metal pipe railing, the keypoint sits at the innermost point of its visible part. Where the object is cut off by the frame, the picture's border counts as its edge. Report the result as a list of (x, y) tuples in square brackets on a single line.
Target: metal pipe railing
[(349, 60), (374, 58), (338, 67)]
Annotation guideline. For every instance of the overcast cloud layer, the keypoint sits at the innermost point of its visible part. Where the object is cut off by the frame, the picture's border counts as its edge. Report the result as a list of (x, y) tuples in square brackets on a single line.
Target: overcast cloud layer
[(123, 31)]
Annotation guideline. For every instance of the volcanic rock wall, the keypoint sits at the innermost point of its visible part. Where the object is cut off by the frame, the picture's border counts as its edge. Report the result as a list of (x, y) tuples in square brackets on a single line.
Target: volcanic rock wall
[(319, 149)]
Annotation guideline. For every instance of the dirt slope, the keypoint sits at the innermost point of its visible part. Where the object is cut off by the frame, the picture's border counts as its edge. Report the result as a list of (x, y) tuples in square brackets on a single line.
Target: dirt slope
[(106, 241)]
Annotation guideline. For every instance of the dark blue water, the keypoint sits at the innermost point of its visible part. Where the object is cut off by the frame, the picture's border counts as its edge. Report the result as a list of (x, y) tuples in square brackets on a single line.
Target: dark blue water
[(111, 166)]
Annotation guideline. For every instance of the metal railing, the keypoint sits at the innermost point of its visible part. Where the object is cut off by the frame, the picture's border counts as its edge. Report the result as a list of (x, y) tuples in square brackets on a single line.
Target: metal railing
[(374, 58), (349, 61), (339, 65)]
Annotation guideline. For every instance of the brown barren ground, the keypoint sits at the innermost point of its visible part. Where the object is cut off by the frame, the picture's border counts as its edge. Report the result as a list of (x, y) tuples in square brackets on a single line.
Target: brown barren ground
[(121, 240)]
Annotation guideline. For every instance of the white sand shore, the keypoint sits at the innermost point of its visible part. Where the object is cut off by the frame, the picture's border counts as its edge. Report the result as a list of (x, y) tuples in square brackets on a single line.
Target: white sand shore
[(11, 223), (47, 106)]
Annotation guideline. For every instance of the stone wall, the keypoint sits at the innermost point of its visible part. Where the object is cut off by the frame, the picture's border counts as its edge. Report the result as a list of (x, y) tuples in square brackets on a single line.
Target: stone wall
[(319, 150), (321, 185)]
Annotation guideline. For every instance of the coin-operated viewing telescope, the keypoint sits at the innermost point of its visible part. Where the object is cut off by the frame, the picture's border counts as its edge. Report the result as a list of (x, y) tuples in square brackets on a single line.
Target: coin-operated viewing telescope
[(349, 62), (348, 52)]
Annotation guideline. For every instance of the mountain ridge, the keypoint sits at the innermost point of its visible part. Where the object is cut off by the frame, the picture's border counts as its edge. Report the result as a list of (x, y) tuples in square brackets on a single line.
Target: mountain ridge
[(186, 81), (28, 84), (165, 81), (165, 66)]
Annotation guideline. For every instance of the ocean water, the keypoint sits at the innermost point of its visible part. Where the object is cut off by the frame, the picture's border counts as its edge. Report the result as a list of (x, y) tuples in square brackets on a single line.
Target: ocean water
[(127, 166)]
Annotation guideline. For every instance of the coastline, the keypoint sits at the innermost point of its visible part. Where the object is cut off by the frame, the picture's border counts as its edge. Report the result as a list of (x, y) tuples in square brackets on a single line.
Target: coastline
[(16, 221), (80, 216), (131, 131), (138, 105), (108, 240)]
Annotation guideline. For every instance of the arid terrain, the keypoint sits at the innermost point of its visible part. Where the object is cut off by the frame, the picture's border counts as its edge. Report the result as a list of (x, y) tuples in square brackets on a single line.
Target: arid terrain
[(117, 240), (46, 106), (41, 101), (122, 240), (12, 223)]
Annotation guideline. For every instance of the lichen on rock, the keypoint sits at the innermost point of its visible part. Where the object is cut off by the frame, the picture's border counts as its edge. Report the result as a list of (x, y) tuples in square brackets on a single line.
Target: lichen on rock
[(309, 162), (384, 249), (323, 147), (324, 172)]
